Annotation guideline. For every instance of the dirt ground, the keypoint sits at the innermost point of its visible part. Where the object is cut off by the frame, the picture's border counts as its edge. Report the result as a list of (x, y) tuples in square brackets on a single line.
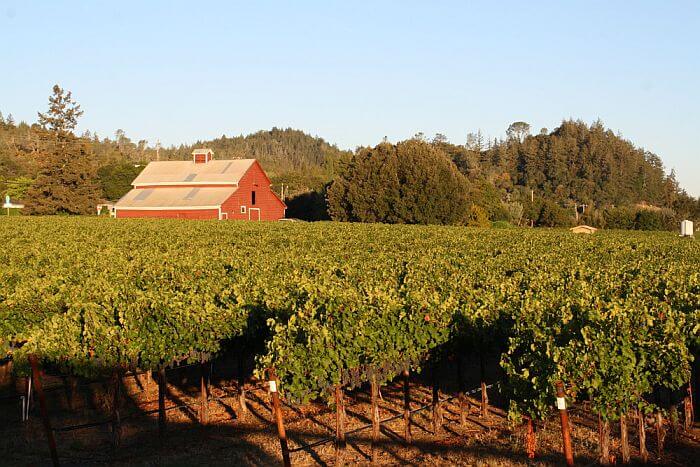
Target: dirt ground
[(237, 437)]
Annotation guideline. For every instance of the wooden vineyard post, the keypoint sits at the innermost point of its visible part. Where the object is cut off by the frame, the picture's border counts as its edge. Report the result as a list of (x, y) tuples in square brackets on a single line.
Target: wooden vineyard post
[(203, 394), (461, 398), (660, 434), (437, 406), (73, 392), (484, 394), (530, 439), (695, 376), (564, 416), (339, 425), (162, 388), (374, 389), (242, 397), (116, 419), (277, 408), (27, 399), (241, 387), (624, 439), (688, 414), (674, 422), (604, 436), (406, 407), (149, 382), (36, 377), (642, 434)]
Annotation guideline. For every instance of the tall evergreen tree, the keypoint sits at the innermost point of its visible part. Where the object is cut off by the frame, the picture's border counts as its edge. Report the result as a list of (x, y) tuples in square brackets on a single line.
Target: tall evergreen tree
[(67, 178), (67, 181), (411, 182), (62, 116)]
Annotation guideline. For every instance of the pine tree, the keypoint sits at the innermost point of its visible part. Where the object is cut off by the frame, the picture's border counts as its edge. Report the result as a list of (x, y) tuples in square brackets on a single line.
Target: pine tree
[(62, 116), (67, 181)]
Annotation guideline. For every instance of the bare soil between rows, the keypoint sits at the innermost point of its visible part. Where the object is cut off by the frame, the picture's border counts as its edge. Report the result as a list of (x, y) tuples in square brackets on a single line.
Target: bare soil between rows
[(234, 436)]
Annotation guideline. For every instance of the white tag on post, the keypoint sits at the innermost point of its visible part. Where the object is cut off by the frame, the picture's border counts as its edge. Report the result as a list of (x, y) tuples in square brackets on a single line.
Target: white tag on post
[(561, 403), (273, 386)]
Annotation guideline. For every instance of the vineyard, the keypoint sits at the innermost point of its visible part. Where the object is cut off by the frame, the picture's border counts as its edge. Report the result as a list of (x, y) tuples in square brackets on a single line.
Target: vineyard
[(325, 309)]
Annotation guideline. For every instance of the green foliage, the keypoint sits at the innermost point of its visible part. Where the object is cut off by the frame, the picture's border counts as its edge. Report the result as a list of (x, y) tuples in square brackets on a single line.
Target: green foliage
[(477, 217), (116, 177), (515, 212), (619, 218), (16, 188), (613, 316), (657, 219), (300, 161), (66, 183), (612, 333), (502, 225), (308, 206), (62, 116), (411, 183), (553, 215), (488, 198), (635, 218), (518, 131), (574, 163)]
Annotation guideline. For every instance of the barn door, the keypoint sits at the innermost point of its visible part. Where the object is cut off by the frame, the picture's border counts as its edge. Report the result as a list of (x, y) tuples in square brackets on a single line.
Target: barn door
[(253, 214)]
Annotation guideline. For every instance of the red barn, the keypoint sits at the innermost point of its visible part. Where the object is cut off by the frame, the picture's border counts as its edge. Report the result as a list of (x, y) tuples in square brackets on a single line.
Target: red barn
[(202, 188)]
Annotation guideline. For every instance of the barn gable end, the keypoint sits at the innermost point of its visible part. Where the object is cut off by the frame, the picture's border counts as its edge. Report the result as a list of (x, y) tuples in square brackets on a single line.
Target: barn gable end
[(254, 184)]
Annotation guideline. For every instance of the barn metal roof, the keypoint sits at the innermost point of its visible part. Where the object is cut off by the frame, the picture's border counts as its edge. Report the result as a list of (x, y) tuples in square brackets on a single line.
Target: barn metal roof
[(178, 172), (175, 197)]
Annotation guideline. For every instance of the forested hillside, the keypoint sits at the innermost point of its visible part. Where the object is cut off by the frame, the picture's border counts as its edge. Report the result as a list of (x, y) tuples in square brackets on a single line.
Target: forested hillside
[(300, 161), (577, 162), (286, 154), (573, 174)]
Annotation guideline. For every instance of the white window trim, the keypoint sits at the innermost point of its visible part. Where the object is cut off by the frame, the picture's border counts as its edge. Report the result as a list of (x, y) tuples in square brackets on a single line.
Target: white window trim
[(243, 210)]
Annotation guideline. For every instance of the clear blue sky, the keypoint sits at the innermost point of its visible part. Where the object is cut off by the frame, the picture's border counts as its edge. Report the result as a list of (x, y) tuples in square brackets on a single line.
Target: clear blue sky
[(354, 71)]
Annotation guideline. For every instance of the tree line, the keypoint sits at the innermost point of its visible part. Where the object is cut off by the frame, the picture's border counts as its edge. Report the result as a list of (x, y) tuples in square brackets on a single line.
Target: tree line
[(83, 170), (576, 173)]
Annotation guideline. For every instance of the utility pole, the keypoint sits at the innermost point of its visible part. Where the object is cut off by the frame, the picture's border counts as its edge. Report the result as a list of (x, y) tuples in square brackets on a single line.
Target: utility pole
[(158, 150)]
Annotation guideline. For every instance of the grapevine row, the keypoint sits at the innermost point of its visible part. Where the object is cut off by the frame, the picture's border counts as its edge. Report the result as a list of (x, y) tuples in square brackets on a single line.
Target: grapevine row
[(613, 316)]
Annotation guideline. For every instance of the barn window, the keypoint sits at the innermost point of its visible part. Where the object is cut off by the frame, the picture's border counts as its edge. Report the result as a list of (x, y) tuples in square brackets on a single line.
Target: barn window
[(252, 198), (242, 209)]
